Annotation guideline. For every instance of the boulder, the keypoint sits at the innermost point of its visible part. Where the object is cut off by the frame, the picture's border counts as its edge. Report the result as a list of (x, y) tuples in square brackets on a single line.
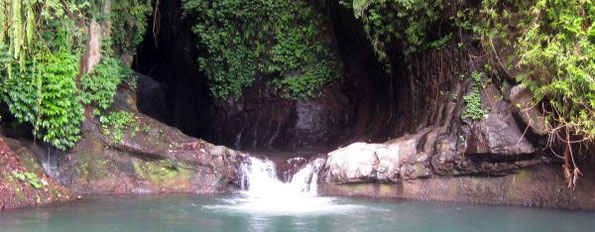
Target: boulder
[(522, 102), (497, 133), (360, 162)]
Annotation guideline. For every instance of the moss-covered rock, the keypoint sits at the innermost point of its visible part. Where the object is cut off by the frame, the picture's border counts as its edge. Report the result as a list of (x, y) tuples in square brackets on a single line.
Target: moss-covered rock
[(23, 181)]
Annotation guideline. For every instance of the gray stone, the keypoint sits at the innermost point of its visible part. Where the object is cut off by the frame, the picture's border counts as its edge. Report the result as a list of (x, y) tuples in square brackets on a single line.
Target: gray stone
[(497, 133), (360, 162), (521, 100)]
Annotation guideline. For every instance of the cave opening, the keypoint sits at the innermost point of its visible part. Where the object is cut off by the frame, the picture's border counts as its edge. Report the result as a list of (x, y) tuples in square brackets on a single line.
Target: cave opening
[(367, 104)]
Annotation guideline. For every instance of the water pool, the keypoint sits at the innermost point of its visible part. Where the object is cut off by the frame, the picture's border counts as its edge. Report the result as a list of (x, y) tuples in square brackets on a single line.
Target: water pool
[(228, 213)]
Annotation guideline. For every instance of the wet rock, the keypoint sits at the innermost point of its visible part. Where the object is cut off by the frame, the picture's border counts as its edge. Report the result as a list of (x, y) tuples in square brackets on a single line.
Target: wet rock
[(152, 99), (522, 102), (22, 179), (289, 167), (497, 132), (151, 157), (361, 162), (268, 121), (541, 185)]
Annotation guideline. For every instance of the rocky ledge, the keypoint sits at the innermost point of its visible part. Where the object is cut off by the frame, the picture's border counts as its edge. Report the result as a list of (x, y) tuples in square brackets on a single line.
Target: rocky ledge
[(487, 161), (150, 158)]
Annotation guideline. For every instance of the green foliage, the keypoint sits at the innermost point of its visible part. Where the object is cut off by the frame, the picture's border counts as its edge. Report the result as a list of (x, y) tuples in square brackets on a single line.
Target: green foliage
[(115, 123), (21, 19), (557, 53), (29, 177), (280, 40), (131, 80), (60, 112), (398, 22), (100, 85), (129, 21), (45, 95), (548, 45), (40, 46), (553, 53), (473, 109)]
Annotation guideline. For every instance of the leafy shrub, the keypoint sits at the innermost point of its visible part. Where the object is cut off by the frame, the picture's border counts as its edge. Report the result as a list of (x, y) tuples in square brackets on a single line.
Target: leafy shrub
[(40, 46), (553, 55), (100, 85), (45, 94), (557, 55), (29, 177), (282, 40)]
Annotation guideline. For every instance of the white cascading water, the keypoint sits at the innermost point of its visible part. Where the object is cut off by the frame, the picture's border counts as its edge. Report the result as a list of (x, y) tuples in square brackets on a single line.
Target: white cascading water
[(263, 192), (260, 179)]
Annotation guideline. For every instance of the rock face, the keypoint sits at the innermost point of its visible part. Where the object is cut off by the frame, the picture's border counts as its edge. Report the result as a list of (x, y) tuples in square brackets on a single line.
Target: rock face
[(151, 157), (256, 121), (400, 169), (522, 100), (491, 160), (271, 122), (497, 132), (541, 185), (22, 180), (360, 162), (358, 106)]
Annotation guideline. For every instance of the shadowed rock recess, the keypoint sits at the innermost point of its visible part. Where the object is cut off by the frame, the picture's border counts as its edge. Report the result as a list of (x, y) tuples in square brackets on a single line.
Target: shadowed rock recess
[(357, 107), (395, 135)]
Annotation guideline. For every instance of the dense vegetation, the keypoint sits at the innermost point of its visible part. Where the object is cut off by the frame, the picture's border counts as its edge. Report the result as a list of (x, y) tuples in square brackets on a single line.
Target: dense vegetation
[(283, 41), (41, 44), (548, 46)]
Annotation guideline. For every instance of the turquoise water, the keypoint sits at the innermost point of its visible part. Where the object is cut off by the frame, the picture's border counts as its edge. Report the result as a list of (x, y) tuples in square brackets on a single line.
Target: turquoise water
[(225, 213)]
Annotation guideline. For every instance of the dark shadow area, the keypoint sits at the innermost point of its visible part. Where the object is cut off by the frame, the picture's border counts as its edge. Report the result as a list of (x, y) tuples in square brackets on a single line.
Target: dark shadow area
[(365, 105)]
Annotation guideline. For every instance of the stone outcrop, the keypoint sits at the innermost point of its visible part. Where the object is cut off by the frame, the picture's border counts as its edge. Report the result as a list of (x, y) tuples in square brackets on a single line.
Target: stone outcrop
[(491, 160), (497, 132), (151, 157), (541, 185), (522, 100), (361, 162), (23, 181), (359, 106)]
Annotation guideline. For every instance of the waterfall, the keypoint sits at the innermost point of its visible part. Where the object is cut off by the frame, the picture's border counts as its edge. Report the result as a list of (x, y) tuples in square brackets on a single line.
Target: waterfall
[(259, 179), (263, 193)]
